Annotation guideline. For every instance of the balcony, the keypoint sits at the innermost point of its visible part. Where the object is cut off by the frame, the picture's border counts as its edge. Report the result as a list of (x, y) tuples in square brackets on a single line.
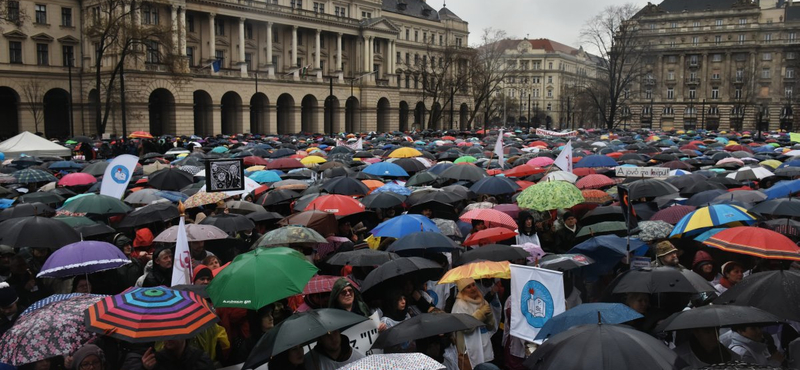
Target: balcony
[(693, 64), (692, 81)]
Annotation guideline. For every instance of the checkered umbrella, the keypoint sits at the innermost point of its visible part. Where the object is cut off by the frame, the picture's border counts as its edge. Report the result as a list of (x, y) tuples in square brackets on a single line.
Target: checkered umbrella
[(29, 175), (323, 284)]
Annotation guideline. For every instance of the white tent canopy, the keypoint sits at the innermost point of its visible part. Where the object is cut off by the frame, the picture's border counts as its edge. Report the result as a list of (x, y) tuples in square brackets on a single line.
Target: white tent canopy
[(32, 145)]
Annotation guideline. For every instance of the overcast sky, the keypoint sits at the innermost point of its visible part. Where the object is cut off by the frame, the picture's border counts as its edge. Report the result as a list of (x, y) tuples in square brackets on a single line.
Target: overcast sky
[(559, 20)]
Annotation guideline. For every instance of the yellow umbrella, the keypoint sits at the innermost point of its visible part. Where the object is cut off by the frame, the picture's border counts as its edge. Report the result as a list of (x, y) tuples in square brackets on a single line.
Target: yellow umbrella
[(405, 153), (255, 168), (478, 270), (312, 159), (772, 163)]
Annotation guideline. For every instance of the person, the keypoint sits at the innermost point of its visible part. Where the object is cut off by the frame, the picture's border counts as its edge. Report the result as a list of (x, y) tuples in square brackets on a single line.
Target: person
[(748, 342), (703, 265), (202, 275), (9, 312), (212, 262), (565, 236), (732, 274), (473, 347), (129, 273), (291, 359), (176, 355), (639, 302), (6, 253), (332, 351), (704, 349), (526, 227), (345, 296), (197, 249), (88, 357), (161, 274), (667, 255), (80, 284), (393, 309)]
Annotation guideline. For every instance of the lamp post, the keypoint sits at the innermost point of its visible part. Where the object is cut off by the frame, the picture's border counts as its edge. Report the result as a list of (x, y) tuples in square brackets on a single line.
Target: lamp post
[(70, 62)]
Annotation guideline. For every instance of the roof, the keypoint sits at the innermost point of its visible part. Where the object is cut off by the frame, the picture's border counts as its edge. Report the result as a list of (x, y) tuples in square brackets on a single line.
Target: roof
[(413, 8), (793, 13), (32, 145), (541, 44), (445, 13), (680, 6)]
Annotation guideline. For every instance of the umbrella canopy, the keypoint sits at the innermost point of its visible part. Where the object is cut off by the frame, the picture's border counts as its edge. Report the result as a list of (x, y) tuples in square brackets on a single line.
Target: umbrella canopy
[(755, 241), (423, 241), (395, 361), (490, 217), (585, 314), (229, 222), (340, 205), (383, 200), (602, 228), (425, 325), (144, 196), (412, 267), (156, 212), (361, 257), (495, 185), (54, 330), (81, 258), (594, 181), (385, 169), (659, 280), (650, 188), (400, 226), (94, 205), (322, 222), (345, 186), (654, 230), (260, 277), (492, 252), (194, 233), (777, 292), (289, 235), (299, 329), (464, 172), (778, 207), (77, 179), (37, 232), (141, 315), (322, 284), (170, 179), (30, 175), (564, 262), (202, 198), (405, 153), (549, 195), (490, 235), (26, 209), (716, 316), (45, 197), (477, 270), (603, 347), (672, 215), (718, 215)]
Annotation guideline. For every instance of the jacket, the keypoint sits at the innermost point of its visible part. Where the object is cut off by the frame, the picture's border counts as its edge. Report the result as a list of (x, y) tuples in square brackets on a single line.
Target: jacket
[(749, 350), (192, 359)]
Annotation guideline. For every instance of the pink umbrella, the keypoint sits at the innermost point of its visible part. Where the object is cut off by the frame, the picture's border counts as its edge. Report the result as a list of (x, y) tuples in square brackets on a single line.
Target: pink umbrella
[(509, 209), (492, 218), (77, 179), (540, 161), (371, 160)]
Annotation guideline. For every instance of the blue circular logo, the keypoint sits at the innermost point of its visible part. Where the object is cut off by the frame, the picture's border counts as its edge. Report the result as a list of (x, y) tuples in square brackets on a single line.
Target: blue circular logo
[(434, 297), (536, 303), (120, 174)]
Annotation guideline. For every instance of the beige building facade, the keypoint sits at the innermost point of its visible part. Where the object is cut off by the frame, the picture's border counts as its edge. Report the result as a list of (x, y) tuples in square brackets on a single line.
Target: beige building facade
[(278, 61)]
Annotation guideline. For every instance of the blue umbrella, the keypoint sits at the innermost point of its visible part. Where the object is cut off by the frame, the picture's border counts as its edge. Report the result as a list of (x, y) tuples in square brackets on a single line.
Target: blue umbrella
[(494, 185), (783, 189), (84, 257), (792, 163), (55, 298), (403, 225), (587, 313), (596, 161), (393, 188), (439, 168), (265, 176), (172, 196), (385, 169), (65, 165), (708, 234), (606, 251)]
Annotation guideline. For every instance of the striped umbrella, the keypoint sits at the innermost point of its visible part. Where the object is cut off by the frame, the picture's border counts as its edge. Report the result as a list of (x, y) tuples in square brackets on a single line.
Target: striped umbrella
[(757, 242), (30, 175), (141, 315), (56, 298), (718, 215)]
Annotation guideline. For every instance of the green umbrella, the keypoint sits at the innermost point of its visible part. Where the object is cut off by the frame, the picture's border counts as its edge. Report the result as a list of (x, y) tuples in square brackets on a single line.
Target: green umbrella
[(422, 178), (548, 195), (76, 221), (260, 277), (289, 235), (466, 159), (94, 204)]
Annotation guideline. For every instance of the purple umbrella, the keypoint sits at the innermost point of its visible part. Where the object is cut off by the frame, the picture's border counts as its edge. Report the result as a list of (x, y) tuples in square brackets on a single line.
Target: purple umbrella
[(81, 258)]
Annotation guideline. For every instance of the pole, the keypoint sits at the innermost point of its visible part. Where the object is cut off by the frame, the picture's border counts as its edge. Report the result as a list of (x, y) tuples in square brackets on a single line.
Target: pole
[(122, 100), (505, 97), (71, 122), (529, 111), (452, 102)]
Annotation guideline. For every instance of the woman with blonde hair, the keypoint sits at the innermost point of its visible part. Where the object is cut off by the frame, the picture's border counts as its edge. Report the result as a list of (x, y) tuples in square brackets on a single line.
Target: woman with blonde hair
[(474, 347)]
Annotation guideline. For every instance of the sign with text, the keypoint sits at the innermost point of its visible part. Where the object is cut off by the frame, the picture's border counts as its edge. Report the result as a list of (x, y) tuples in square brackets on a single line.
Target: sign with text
[(224, 175), (642, 172)]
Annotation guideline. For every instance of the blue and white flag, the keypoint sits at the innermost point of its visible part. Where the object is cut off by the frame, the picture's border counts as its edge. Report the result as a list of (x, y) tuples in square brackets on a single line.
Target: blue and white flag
[(118, 175), (536, 295)]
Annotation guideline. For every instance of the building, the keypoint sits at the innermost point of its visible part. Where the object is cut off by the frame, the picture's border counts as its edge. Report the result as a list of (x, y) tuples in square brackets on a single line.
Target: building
[(278, 62), (543, 83), (719, 65)]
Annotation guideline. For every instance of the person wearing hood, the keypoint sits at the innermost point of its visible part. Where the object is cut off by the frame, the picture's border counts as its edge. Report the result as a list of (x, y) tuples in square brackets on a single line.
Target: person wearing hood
[(345, 296), (88, 357), (394, 309), (128, 274), (732, 274), (565, 236), (332, 351), (704, 266), (474, 347), (9, 311), (526, 229), (748, 342), (202, 275), (161, 274)]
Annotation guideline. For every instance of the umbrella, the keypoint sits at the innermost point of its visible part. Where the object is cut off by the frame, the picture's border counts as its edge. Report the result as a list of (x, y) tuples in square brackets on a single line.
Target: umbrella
[(412, 267), (385, 169), (289, 235), (464, 172), (77, 179), (716, 316), (549, 195), (602, 228), (202, 198), (156, 212), (425, 325), (494, 185), (755, 241), (284, 164), (37, 232), (94, 205), (650, 188), (322, 222), (260, 277), (561, 176), (243, 207), (154, 167), (659, 280), (654, 230), (750, 173), (400, 226), (82, 258), (277, 196), (596, 161), (322, 284), (744, 196), (170, 179), (395, 361), (382, 200), (45, 197), (144, 196), (140, 135), (361, 257), (405, 153), (340, 205), (718, 215), (422, 178), (345, 186), (53, 299), (194, 233), (672, 215), (265, 176), (477, 270), (594, 181), (26, 209), (30, 175), (564, 262), (141, 315), (705, 198), (601, 214), (490, 235), (96, 168), (299, 329), (53, 330), (783, 189), (606, 251), (423, 241), (587, 313), (603, 347), (492, 252), (229, 222), (490, 217), (777, 292), (778, 207)]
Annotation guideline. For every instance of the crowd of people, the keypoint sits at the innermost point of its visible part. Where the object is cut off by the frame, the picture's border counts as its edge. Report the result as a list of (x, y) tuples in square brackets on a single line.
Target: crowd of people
[(349, 190)]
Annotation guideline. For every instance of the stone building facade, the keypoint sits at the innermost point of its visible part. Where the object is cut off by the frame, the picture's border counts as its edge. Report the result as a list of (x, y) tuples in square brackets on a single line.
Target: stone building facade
[(278, 61)]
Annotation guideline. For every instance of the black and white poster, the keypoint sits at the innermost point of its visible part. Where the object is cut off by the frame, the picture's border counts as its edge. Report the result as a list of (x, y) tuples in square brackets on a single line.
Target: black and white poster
[(224, 175)]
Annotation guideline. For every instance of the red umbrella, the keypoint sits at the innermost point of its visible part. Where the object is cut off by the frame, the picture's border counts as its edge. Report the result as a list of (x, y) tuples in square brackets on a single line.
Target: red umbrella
[(140, 135), (583, 171), (491, 217), (340, 205), (594, 182), (77, 179), (736, 148), (525, 184), (284, 164), (755, 241), (489, 236), (596, 196), (255, 161), (672, 215), (523, 170)]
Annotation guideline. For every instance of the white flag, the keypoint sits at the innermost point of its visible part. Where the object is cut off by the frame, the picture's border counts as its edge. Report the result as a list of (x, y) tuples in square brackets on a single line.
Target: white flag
[(118, 175), (182, 265), (564, 160), (498, 149), (536, 295)]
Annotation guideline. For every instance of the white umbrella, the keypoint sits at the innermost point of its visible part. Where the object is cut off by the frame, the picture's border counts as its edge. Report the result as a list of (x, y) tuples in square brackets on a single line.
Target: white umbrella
[(562, 176), (194, 233), (750, 173)]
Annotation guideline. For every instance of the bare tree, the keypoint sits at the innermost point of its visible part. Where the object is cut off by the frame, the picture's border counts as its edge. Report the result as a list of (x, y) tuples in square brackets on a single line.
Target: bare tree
[(487, 71), (33, 91), (614, 34), (745, 90), (10, 12)]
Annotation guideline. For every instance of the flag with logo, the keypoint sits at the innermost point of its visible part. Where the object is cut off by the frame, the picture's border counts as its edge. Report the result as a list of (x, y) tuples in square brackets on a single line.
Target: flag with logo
[(564, 160), (536, 296), (182, 266), (118, 175), (498, 149)]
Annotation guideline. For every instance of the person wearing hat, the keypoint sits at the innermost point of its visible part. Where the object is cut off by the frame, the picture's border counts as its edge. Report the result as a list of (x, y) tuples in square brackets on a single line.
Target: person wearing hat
[(667, 255), (703, 265), (161, 274), (202, 275), (87, 357), (9, 312), (474, 347), (732, 274), (129, 273), (565, 236)]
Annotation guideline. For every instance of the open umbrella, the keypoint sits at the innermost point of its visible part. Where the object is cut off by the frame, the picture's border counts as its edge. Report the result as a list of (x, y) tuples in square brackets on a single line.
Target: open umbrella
[(495, 185), (202, 198), (490, 217), (45, 197), (229, 222), (659, 280), (587, 313), (37, 232), (650, 188), (601, 228), (718, 215), (290, 235), (399, 226), (382, 200), (361, 257), (26, 209), (477, 270), (156, 212), (144, 196), (82, 258), (385, 169), (170, 179), (426, 325), (260, 277), (410, 267), (30, 175), (340, 205), (672, 215), (322, 222), (395, 361), (423, 241), (77, 179), (194, 233), (94, 205), (345, 186), (492, 252), (549, 195), (464, 172), (778, 207), (716, 316), (755, 241), (564, 262), (777, 292), (654, 230), (490, 235)]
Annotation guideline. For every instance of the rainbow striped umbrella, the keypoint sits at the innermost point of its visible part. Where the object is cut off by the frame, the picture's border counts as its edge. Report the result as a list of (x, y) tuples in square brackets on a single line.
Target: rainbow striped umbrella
[(141, 315), (715, 216)]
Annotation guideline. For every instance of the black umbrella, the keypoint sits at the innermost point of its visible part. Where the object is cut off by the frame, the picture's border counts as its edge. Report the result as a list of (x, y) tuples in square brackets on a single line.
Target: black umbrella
[(649, 188), (229, 222), (422, 178), (45, 197), (774, 207), (426, 325), (787, 227), (603, 214), (777, 292), (37, 232), (726, 181), (603, 347), (155, 212), (197, 289), (659, 280), (410, 165), (97, 229), (26, 209), (416, 268), (699, 187), (170, 179), (715, 316), (492, 252), (264, 216), (438, 209), (299, 329), (96, 169), (464, 172), (277, 196), (345, 186), (423, 241), (705, 198), (447, 197), (383, 200), (361, 257), (683, 181)]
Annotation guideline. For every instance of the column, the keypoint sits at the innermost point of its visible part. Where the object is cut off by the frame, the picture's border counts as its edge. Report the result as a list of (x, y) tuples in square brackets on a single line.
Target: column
[(242, 46), (272, 119), (371, 58), (212, 44), (176, 47), (182, 20), (293, 61), (270, 66), (317, 56), (339, 58)]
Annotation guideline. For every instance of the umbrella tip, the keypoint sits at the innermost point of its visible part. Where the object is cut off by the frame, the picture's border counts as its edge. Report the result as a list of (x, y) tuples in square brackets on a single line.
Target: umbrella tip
[(181, 208), (599, 319)]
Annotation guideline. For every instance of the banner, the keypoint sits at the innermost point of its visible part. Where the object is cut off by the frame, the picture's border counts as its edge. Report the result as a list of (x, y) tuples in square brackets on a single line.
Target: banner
[(543, 132), (641, 171), (536, 295), (564, 159), (358, 145), (498, 149), (182, 263), (118, 175)]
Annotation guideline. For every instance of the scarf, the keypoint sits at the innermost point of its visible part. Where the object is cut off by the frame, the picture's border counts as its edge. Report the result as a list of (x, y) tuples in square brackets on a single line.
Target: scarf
[(725, 282)]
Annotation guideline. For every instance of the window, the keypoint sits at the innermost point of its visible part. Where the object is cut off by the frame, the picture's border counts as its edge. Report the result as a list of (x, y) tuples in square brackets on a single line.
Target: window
[(767, 38), (766, 56), (319, 8), (693, 60), (152, 52), (42, 54), (425, 37), (376, 47), (408, 81), (742, 39), (670, 93), (549, 93), (96, 14), (459, 42), (742, 21), (716, 58), (15, 52), (66, 17), (673, 25), (789, 72), (718, 22), (416, 36), (549, 65), (690, 111), (297, 4), (416, 59), (322, 65), (693, 76), (12, 11), (408, 59), (695, 40), (715, 93), (275, 38), (248, 61), (41, 14), (692, 93), (248, 31), (189, 23), (398, 58), (219, 55), (696, 24), (792, 36), (367, 15), (407, 32), (739, 75), (648, 94), (715, 75), (549, 79), (670, 75), (737, 94), (149, 14), (219, 27), (535, 93), (669, 111), (652, 26), (340, 11), (299, 37), (190, 55), (765, 73), (788, 92), (68, 55), (717, 39), (549, 107), (441, 40)]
